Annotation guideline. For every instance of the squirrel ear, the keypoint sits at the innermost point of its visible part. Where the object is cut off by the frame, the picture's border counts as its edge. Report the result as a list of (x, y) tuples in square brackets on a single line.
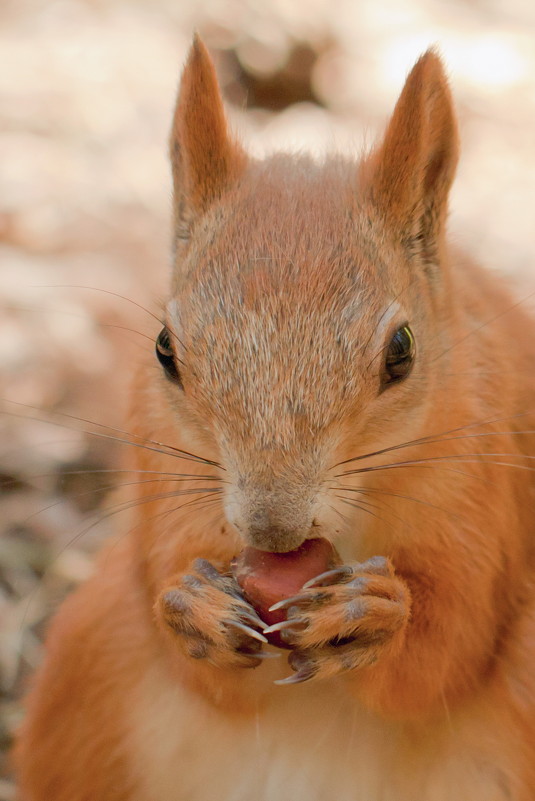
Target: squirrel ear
[(204, 159), (409, 175)]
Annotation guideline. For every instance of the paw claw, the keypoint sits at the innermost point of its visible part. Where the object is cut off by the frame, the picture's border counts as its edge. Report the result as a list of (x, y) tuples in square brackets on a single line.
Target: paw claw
[(309, 598), (284, 603), (251, 617), (329, 577), (297, 678), (285, 624), (245, 629), (267, 655)]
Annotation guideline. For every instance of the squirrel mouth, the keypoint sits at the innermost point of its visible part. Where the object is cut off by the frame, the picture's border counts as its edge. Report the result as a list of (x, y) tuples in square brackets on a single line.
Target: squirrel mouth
[(268, 579)]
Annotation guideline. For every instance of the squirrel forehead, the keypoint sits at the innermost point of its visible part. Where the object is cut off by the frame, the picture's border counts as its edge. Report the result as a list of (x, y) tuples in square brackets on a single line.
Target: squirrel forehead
[(285, 219), (265, 299), (284, 238)]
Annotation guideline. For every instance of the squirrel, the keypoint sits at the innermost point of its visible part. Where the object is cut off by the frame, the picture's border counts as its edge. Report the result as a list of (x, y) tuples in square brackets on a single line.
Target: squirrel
[(330, 367)]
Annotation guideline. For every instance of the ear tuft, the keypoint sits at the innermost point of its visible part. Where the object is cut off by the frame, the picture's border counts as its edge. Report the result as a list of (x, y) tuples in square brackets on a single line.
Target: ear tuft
[(409, 175), (205, 160)]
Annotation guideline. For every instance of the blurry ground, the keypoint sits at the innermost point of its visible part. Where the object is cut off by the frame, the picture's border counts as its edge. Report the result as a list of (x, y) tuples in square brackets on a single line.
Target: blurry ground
[(86, 92)]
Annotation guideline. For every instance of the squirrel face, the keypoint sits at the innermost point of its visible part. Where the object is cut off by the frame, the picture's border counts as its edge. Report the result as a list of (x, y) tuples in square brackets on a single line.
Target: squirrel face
[(305, 302)]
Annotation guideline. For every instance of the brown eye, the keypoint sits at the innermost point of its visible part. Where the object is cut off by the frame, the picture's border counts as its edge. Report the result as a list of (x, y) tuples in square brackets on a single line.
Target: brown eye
[(399, 356), (166, 356)]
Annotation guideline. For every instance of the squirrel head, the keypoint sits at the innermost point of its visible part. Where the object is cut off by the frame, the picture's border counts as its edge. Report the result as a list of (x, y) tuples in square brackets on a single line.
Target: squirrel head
[(308, 299)]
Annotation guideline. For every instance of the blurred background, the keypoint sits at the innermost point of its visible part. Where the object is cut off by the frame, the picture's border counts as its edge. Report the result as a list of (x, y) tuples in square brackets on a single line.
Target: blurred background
[(86, 94)]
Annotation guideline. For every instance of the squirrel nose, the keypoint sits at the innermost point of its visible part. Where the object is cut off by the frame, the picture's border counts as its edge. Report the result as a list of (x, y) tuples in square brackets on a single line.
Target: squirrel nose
[(275, 515), (276, 532)]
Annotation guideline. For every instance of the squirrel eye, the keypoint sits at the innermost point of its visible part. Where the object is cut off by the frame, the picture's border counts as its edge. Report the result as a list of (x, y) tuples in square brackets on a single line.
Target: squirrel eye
[(399, 356), (166, 356)]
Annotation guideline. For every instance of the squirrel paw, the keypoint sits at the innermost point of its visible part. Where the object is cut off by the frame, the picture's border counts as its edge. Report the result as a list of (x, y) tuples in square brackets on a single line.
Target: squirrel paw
[(207, 610), (342, 619)]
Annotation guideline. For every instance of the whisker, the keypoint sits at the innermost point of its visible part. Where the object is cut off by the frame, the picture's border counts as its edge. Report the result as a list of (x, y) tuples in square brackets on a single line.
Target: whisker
[(357, 505), (108, 488), (131, 503), (37, 310), (210, 496), (100, 289), (127, 328), (122, 297), (425, 467), (472, 373), (442, 458), (120, 507), (365, 490), (338, 512), (170, 449), (385, 506), (59, 474), (203, 502), (354, 503), (116, 295), (437, 438)]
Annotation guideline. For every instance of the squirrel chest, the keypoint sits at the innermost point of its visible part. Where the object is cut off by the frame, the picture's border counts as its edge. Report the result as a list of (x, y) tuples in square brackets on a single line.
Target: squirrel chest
[(314, 745)]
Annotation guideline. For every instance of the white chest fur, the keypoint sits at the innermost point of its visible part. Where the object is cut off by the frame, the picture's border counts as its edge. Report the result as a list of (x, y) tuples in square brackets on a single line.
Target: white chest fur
[(312, 743)]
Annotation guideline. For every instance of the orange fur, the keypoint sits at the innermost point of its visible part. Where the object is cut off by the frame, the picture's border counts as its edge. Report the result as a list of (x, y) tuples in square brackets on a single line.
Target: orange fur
[(289, 278)]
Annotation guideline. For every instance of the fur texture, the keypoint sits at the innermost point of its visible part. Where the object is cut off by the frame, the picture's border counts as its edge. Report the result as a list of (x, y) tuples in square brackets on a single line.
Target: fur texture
[(412, 673)]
